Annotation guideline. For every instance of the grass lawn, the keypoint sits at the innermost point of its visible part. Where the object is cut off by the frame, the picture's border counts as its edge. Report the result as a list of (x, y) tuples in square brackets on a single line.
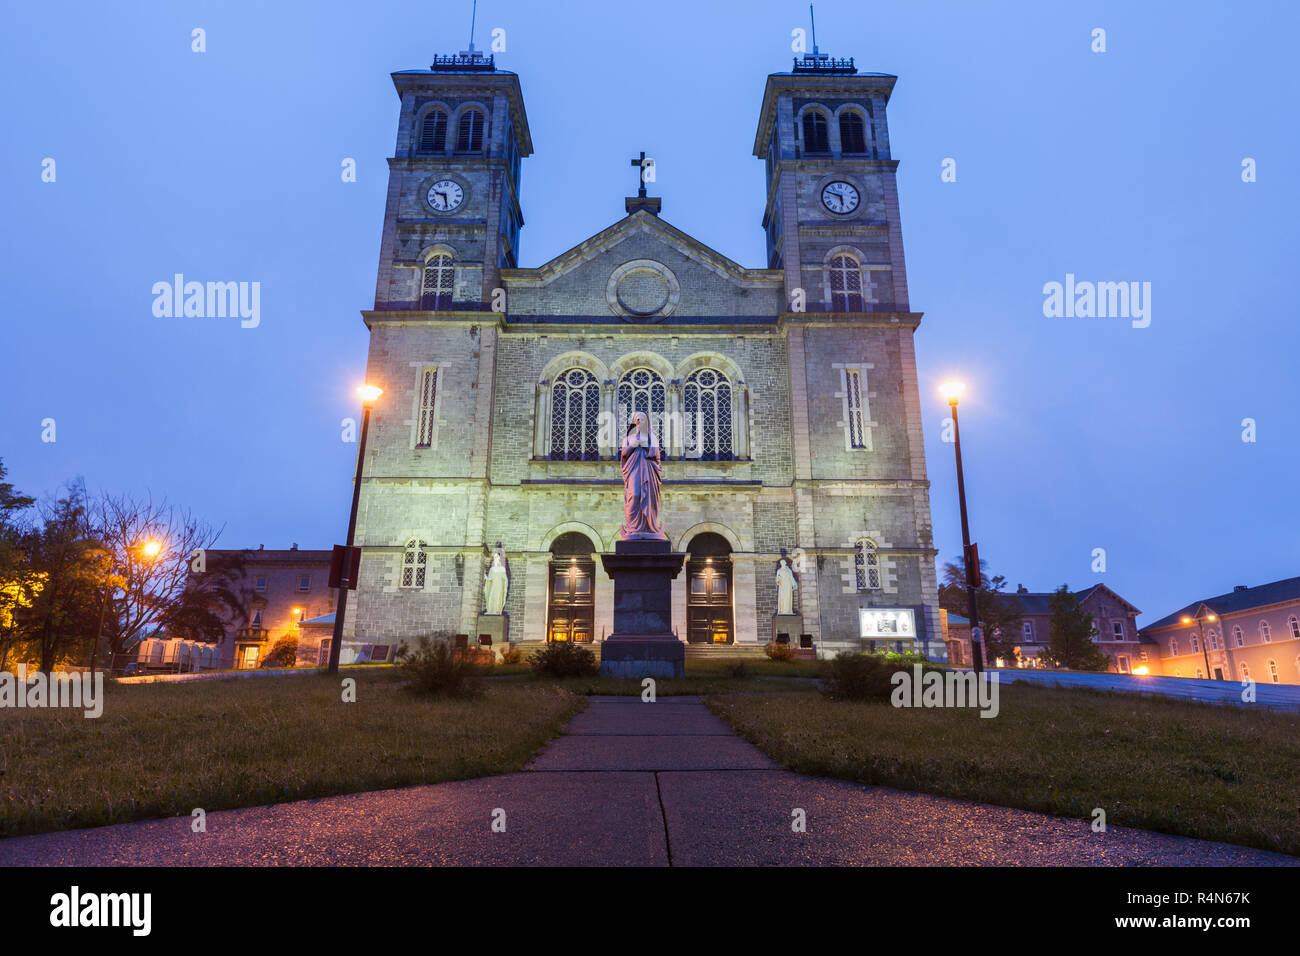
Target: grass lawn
[(1213, 772), (702, 678), (163, 749)]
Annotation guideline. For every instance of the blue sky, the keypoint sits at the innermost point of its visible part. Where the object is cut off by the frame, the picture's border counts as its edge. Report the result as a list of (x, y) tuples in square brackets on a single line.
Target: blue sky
[(1078, 433)]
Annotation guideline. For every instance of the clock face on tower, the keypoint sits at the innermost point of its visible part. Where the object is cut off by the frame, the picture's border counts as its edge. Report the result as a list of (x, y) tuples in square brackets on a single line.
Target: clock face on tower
[(445, 195), (840, 197)]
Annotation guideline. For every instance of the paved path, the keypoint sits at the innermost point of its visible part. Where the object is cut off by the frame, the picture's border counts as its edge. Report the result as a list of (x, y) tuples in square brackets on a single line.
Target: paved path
[(631, 784)]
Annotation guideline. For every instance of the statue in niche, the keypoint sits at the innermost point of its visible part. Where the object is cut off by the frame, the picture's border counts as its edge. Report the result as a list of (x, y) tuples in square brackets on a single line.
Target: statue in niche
[(786, 585), (496, 585)]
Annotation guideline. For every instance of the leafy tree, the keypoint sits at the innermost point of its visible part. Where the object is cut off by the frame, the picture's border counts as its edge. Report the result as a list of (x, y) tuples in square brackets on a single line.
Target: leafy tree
[(1071, 642), (1000, 613)]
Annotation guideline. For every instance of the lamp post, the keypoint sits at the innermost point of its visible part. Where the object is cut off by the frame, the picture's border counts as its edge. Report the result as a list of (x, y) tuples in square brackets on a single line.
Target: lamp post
[(369, 395), (1200, 627), (952, 391)]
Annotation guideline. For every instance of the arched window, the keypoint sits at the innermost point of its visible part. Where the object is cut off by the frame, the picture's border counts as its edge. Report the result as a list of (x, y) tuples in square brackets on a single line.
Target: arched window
[(1238, 638), (575, 416), (1214, 640), (1295, 627), (866, 565), (815, 138), (433, 132), (642, 390), (707, 400), (469, 132), (1196, 644), (846, 284), (413, 564), (1265, 632), (439, 282), (1173, 647), (1245, 671), (1272, 671), (853, 137)]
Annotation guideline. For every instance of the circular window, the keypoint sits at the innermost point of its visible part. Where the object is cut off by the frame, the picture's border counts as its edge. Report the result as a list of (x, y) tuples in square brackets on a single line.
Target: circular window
[(642, 289)]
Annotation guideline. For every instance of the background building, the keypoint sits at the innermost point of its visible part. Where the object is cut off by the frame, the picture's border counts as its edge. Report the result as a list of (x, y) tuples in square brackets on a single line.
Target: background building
[(1250, 632)]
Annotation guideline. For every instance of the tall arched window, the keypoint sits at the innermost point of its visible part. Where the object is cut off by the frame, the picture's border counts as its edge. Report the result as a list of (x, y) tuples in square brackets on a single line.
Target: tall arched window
[(413, 564), (439, 282), (1245, 670), (815, 138), (1265, 632), (853, 137), (846, 284), (866, 565), (1272, 671), (1173, 647), (707, 400), (1295, 627), (469, 132), (1214, 640), (1196, 644), (1238, 638), (642, 390), (575, 416), (433, 132)]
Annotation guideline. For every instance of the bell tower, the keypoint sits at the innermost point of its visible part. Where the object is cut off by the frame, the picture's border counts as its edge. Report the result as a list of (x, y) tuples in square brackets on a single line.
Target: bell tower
[(860, 493), (452, 217)]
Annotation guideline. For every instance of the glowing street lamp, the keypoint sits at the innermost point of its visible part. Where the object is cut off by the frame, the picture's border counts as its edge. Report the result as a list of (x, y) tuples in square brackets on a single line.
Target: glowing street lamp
[(951, 391), (369, 395), (151, 549), (1200, 620)]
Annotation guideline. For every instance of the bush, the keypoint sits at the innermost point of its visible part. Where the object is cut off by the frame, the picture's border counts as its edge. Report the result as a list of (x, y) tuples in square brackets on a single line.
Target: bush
[(512, 654), (283, 654), (778, 652), (563, 659), (852, 676), (437, 668)]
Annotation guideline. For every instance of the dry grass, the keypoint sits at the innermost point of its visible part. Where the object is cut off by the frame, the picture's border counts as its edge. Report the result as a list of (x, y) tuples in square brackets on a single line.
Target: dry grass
[(1199, 770), (164, 749)]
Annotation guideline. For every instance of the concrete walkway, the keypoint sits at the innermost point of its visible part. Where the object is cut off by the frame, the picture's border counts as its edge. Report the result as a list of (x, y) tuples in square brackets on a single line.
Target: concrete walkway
[(635, 784)]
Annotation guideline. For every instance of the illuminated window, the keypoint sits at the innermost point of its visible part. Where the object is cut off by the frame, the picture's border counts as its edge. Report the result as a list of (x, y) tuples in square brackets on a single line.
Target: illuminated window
[(1272, 671)]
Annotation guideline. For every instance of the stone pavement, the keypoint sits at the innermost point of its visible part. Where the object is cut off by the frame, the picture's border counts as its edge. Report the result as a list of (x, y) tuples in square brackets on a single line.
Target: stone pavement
[(633, 783)]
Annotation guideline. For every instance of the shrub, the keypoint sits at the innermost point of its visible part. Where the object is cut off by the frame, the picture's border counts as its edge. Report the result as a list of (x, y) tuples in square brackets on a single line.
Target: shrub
[(283, 654), (563, 659), (778, 652), (852, 676), (512, 654), (437, 668)]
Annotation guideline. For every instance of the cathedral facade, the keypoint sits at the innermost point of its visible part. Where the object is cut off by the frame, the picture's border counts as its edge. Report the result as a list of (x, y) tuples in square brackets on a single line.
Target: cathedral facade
[(784, 398)]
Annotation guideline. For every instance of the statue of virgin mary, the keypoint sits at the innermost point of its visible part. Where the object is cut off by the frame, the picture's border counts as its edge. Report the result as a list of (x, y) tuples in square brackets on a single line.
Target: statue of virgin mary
[(642, 475)]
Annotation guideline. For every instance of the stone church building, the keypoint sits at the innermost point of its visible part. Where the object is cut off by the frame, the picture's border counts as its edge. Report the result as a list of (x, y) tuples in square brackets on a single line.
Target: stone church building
[(784, 397)]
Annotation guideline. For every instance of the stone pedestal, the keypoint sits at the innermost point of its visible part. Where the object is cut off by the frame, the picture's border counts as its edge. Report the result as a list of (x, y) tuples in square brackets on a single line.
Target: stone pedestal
[(643, 644), (791, 624), (496, 626)]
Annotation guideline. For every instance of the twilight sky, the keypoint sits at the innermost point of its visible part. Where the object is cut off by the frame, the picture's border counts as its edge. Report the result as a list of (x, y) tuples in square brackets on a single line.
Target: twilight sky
[(1078, 433)]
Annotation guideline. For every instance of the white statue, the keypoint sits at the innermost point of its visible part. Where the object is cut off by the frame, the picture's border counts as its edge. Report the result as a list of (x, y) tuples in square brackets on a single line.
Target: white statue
[(786, 585), (496, 585)]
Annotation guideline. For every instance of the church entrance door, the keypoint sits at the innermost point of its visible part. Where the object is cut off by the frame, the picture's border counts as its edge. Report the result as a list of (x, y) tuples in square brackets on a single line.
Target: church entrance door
[(571, 608), (709, 617)]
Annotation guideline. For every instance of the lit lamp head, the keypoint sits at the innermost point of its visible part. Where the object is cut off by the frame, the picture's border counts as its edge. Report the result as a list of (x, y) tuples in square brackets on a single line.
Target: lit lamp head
[(151, 549), (1187, 620), (369, 394), (951, 391)]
